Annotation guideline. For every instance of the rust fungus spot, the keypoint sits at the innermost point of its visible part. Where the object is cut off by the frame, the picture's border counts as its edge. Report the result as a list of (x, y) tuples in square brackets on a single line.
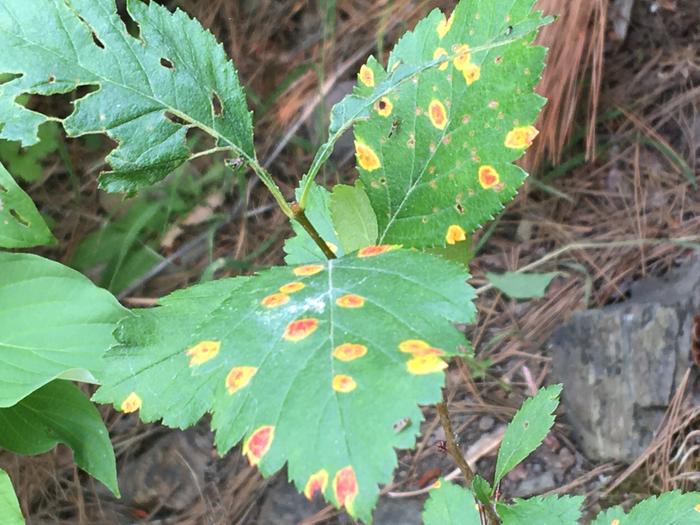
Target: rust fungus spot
[(437, 114), (463, 57), (444, 26), (440, 52), (350, 301), (410, 346), (366, 75), (366, 157), (316, 484), (371, 251), (132, 403), (383, 106), (258, 444), (343, 383), (275, 299), (455, 234), (203, 352), (308, 269), (239, 377), (521, 137), (488, 177), (300, 329), (471, 73), (426, 364), (349, 351), (292, 287), (345, 488)]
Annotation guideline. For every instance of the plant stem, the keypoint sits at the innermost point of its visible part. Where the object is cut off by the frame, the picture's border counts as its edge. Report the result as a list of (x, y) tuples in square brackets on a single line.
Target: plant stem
[(299, 216), (454, 451)]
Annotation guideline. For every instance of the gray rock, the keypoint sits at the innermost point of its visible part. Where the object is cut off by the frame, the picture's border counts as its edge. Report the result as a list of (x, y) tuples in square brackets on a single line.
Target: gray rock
[(535, 484), (284, 505), (620, 364), (403, 511)]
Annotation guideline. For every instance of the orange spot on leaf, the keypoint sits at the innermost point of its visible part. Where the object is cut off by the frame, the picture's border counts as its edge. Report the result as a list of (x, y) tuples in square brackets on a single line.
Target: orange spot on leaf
[(239, 377), (350, 301), (488, 177), (371, 251), (455, 233), (383, 106), (441, 52), (463, 57), (345, 487), (366, 76), (308, 269), (366, 157), (437, 114), (203, 352), (471, 73), (343, 383), (411, 346), (444, 26), (258, 444), (521, 137), (132, 403), (275, 299), (292, 287), (299, 329), (316, 484), (427, 364), (349, 351)]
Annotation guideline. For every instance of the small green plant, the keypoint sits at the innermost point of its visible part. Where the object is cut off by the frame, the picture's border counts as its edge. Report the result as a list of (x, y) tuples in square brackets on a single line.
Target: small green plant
[(309, 364)]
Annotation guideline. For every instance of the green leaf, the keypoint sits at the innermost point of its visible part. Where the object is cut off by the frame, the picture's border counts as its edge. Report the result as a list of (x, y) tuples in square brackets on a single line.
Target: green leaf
[(57, 413), (150, 89), (527, 430), (26, 163), (519, 285), (53, 320), (432, 151), (10, 513), (21, 225), (324, 342), (482, 489), (450, 505), (549, 510), (301, 248), (353, 217), (670, 508)]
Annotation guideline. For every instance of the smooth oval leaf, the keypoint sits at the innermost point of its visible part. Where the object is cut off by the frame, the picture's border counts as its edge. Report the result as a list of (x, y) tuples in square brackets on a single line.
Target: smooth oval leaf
[(549, 510), (527, 430), (57, 413), (53, 320), (354, 220), (450, 504), (150, 89), (670, 508), (10, 513), (520, 285), (21, 224), (436, 153), (310, 365)]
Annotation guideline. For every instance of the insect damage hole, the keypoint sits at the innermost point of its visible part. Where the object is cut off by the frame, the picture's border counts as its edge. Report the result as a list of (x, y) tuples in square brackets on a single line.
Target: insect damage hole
[(216, 105), (24, 222), (97, 41), (166, 63)]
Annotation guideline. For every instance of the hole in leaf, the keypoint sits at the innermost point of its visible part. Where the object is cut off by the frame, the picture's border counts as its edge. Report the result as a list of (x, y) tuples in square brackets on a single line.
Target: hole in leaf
[(52, 79), (217, 105), (459, 208), (3, 189), (131, 26), (166, 63), (59, 105), (526, 424), (175, 119), (498, 59), (382, 180), (19, 218), (97, 41)]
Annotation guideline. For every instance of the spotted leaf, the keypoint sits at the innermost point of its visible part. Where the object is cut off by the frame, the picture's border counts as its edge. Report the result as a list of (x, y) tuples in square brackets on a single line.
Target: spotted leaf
[(438, 130), (293, 383)]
